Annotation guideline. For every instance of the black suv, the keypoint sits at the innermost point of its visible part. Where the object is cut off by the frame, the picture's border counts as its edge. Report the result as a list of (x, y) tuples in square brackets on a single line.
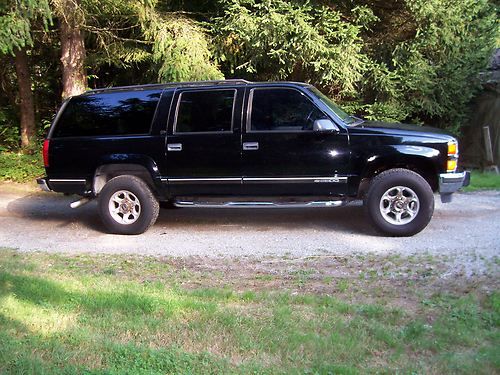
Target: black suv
[(236, 143)]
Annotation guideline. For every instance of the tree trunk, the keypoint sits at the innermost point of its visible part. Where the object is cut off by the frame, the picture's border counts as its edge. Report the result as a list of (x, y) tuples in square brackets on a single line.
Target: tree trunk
[(26, 106), (72, 53)]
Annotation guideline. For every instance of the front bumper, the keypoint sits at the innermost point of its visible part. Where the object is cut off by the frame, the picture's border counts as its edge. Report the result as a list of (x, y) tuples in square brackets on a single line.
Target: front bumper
[(451, 182), (42, 184)]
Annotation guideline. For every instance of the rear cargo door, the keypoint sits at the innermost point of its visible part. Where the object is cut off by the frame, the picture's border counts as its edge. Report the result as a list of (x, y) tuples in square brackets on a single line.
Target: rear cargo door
[(203, 147)]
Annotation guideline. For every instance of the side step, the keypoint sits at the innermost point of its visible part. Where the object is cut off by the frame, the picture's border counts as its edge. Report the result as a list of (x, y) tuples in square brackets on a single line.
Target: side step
[(259, 204)]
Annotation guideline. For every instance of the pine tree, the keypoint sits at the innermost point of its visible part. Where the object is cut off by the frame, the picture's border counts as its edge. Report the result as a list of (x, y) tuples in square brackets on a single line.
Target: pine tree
[(15, 38)]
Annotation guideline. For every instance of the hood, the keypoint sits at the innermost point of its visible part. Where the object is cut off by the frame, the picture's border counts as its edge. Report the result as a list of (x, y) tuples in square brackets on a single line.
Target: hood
[(402, 129)]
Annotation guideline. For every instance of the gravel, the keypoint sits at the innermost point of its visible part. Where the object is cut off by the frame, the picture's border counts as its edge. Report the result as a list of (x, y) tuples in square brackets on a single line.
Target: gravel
[(466, 230)]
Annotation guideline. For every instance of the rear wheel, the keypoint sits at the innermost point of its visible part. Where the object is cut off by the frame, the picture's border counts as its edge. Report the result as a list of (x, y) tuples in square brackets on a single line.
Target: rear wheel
[(399, 202), (127, 205)]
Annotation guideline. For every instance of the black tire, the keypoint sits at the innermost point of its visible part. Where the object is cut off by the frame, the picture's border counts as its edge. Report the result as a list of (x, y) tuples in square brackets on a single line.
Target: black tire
[(390, 182), (143, 212)]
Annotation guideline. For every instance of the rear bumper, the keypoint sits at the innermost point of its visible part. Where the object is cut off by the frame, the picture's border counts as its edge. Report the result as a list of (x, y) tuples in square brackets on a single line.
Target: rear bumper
[(451, 182), (42, 184)]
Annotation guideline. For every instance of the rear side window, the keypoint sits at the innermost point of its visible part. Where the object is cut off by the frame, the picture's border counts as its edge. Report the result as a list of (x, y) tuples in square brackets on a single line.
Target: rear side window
[(205, 111), (118, 113)]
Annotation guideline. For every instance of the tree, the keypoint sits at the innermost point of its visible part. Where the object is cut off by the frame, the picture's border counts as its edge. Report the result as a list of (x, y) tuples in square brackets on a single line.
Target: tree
[(122, 33), (425, 59), (71, 18), (408, 60), (280, 39), (169, 43), (26, 107), (15, 36)]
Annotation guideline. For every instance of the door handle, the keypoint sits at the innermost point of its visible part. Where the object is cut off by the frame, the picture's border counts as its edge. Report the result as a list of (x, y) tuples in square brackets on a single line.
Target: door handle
[(174, 147), (250, 146)]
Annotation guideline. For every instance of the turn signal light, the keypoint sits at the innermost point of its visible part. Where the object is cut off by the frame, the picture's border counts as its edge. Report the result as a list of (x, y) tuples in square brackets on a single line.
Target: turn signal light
[(46, 153), (451, 166), (452, 148)]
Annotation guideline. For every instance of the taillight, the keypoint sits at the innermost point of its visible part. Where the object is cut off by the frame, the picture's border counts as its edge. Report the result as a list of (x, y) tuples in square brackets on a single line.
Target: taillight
[(46, 153)]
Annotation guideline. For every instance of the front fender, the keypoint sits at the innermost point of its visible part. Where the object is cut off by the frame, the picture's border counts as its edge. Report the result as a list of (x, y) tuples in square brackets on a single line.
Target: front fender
[(422, 159)]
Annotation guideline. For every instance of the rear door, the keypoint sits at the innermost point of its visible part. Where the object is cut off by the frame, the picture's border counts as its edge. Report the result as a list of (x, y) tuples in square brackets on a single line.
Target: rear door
[(282, 155), (203, 144)]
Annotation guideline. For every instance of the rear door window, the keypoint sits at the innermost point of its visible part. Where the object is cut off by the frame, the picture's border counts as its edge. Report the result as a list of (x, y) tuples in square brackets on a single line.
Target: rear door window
[(205, 111), (113, 113)]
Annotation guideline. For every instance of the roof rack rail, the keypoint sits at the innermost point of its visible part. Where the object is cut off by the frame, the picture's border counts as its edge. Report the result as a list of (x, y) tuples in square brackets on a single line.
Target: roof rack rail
[(171, 84), (149, 85)]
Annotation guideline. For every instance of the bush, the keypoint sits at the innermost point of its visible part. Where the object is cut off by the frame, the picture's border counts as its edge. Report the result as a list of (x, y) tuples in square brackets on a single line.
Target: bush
[(20, 167)]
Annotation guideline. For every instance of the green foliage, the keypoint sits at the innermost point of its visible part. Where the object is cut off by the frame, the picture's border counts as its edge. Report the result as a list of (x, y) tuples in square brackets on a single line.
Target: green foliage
[(279, 40), (9, 133), (20, 167), (180, 45), (15, 22), (428, 69), (402, 61)]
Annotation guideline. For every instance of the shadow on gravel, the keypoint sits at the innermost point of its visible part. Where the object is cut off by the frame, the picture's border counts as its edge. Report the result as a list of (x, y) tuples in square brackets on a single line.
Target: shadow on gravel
[(55, 208), (349, 219)]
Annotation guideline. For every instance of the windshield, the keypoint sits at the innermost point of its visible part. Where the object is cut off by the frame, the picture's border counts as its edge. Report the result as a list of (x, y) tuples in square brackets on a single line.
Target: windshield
[(348, 119)]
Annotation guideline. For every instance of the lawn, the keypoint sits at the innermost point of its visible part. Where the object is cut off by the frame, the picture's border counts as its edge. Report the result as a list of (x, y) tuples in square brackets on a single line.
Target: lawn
[(483, 181), (99, 314)]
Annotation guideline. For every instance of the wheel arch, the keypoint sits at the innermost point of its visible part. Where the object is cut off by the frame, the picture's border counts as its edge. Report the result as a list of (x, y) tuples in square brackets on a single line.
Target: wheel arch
[(139, 166), (418, 164)]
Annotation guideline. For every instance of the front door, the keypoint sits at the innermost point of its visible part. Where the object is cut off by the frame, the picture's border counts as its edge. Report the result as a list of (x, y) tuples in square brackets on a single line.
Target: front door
[(203, 142), (283, 155)]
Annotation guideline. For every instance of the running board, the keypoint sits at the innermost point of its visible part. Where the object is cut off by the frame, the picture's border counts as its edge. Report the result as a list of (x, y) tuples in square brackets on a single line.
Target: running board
[(250, 204)]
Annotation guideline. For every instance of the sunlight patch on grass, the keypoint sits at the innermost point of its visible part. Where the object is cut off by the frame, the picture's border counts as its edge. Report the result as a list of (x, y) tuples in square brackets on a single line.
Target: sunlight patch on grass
[(43, 320)]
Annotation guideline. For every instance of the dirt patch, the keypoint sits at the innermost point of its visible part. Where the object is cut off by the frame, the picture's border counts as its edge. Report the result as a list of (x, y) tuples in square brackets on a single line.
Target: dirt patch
[(397, 281)]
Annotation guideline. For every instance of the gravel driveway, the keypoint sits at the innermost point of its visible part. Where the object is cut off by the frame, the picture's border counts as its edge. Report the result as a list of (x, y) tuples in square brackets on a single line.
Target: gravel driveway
[(33, 220)]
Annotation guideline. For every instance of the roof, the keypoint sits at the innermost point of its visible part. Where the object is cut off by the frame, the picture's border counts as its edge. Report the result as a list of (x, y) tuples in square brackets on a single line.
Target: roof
[(162, 86)]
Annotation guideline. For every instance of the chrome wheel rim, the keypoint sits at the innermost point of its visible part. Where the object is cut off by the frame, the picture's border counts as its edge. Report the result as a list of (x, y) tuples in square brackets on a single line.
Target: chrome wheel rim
[(399, 205), (124, 207)]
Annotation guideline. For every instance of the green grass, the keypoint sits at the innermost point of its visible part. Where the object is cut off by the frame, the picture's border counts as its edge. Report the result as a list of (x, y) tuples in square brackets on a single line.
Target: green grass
[(484, 181), (118, 315), (19, 167)]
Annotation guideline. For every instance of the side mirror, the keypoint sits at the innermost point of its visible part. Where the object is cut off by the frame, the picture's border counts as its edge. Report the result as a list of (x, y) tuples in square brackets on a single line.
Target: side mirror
[(325, 125)]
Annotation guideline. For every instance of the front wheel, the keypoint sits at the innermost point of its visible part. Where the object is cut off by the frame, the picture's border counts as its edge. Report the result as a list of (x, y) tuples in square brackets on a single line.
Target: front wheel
[(127, 205), (399, 202)]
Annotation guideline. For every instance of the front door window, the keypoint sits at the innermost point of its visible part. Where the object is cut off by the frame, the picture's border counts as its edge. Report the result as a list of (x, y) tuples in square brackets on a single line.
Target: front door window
[(282, 110)]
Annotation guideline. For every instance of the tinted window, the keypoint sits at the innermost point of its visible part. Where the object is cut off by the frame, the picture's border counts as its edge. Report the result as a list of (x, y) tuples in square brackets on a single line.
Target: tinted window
[(282, 110), (118, 113), (205, 111)]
